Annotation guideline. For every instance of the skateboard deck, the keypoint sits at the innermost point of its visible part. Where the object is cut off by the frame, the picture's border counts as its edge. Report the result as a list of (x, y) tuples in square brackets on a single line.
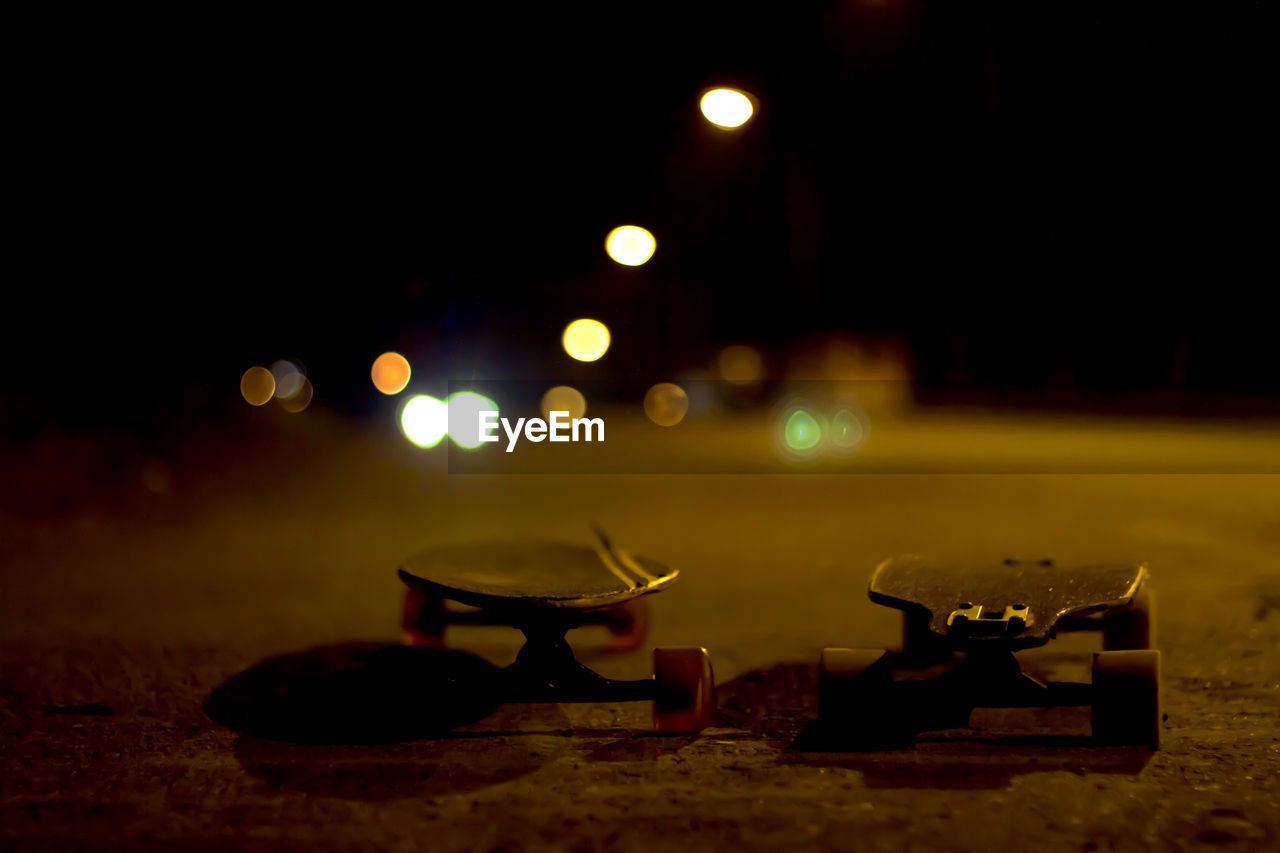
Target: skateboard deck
[(537, 575), (1017, 601)]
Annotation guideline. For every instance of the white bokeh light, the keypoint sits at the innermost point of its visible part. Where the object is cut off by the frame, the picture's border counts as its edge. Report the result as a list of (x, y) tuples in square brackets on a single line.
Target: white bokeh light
[(630, 245), (464, 417), (727, 108), (424, 420)]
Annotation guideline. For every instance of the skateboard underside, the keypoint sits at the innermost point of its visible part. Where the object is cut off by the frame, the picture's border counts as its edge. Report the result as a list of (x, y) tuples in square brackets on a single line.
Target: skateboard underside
[(510, 576)]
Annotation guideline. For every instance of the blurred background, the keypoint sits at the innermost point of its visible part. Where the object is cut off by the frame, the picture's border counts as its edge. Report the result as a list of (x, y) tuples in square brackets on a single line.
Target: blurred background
[(1055, 206), (254, 252)]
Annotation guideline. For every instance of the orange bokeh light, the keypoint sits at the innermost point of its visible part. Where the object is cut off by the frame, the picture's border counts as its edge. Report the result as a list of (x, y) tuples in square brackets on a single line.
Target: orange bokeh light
[(390, 373), (666, 404)]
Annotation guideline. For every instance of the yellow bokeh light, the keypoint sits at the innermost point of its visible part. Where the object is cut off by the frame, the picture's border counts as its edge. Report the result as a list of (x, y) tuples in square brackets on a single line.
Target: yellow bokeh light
[(257, 386), (390, 373), (424, 420), (586, 340), (741, 364), (666, 404), (562, 398), (298, 400), (630, 245), (727, 108)]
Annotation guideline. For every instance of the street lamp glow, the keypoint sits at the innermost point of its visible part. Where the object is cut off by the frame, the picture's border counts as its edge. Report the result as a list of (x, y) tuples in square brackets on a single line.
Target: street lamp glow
[(630, 245), (727, 108), (424, 420), (585, 339)]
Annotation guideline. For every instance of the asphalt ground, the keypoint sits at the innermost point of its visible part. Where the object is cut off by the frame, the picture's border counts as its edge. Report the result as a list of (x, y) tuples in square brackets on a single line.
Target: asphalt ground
[(262, 555)]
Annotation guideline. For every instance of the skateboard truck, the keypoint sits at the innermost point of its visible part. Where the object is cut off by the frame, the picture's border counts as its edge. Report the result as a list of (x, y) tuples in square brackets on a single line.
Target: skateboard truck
[(975, 620), (545, 670), (426, 618), (956, 658)]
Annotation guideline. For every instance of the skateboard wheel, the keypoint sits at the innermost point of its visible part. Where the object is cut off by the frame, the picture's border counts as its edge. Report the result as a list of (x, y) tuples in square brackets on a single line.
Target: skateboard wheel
[(423, 620), (685, 690), (852, 686), (1134, 628), (1126, 697), (628, 625)]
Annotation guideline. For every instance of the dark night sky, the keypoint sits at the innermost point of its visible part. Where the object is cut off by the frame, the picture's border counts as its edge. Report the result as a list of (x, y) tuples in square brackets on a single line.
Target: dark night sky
[(1023, 190)]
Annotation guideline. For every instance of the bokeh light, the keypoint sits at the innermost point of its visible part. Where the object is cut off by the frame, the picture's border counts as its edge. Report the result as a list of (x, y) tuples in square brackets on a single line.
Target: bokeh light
[(257, 386), (801, 432), (298, 400), (741, 364), (630, 245), (847, 430), (424, 420), (666, 404), (290, 378), (464, 410), (586, 340), (727, 108), (390, 373), (562, 398)]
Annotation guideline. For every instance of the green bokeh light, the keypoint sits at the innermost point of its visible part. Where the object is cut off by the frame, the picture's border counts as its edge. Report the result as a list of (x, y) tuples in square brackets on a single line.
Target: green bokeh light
[(802, 431), (846, 429)]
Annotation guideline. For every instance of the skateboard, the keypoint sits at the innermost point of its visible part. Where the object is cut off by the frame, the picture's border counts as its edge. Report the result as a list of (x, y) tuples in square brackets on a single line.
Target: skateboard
[(544, 589), (960, 629), (507, 569)]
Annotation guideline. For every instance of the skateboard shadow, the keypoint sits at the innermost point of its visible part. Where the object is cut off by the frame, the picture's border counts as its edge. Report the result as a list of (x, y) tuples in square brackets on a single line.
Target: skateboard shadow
[(356, 693), (779, 704), (374, 722), (976, 762), (382, 772)]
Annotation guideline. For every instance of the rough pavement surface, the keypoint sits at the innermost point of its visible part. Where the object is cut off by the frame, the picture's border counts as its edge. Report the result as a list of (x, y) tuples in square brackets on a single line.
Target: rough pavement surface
[(130, 592)]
